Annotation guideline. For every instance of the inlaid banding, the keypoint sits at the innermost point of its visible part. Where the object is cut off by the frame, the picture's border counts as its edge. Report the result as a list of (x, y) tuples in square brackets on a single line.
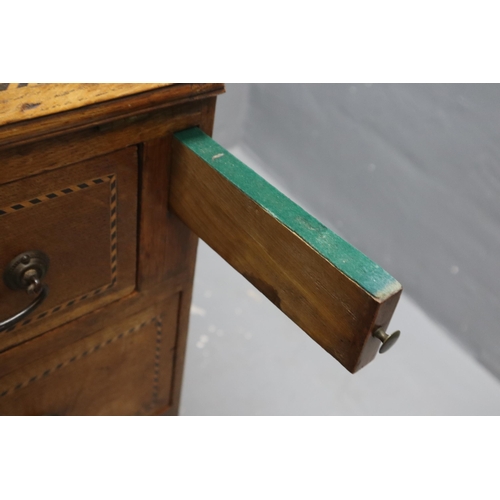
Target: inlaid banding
[(109, 178)]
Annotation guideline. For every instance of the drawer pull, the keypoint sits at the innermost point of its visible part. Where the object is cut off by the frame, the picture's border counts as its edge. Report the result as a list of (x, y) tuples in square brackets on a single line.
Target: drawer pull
[(26, 272)]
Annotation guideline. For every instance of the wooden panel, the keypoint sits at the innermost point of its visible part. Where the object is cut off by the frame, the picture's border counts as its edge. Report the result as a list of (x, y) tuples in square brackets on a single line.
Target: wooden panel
[(326, 286), (154, 256), (88, 324), (206, 125), (20, 161), (84, 217), (20, 102), (125, 369), (100, 361), (167, 246), (104, 112)]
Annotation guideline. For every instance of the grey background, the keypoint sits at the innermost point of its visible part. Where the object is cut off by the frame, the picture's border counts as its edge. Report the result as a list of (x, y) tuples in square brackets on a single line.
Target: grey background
[(407, 173)]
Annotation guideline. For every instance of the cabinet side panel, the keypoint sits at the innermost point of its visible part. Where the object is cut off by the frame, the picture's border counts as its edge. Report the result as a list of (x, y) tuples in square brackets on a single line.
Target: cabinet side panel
[(206, 124)]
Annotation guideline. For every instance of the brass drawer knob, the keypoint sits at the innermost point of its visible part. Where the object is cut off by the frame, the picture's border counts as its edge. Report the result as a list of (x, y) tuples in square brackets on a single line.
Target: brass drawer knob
[(26, 272), (387, 340)]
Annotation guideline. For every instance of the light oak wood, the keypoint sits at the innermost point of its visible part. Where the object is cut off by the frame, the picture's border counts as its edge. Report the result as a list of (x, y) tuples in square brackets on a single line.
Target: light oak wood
[(128, 106), (330, 289), (18, 102)]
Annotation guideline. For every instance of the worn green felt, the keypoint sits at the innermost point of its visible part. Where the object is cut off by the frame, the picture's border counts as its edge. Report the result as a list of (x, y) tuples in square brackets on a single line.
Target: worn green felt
[(332, 247)]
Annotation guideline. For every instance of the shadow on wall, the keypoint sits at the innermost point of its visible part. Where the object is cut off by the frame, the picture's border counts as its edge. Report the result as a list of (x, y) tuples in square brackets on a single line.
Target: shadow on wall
[(410, 174)]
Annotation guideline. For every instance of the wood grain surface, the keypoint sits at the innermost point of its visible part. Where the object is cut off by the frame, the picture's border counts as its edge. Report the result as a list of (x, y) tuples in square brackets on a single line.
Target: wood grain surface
[(331, 290), (59, 119), (84, 217), (26, 159), (53, 372), (18, 103), (124, 369)]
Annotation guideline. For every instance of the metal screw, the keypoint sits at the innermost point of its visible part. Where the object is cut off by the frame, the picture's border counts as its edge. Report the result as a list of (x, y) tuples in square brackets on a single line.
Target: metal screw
[(387, 340), (33, 284), (25, 259)]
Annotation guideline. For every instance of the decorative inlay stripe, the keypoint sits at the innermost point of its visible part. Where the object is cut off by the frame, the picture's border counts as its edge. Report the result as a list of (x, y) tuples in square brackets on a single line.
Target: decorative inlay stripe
[(62, 192), (156, 379), (111, 179)]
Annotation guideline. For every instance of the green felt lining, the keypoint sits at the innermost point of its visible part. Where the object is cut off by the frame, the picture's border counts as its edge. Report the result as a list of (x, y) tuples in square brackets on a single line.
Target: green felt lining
[(350, 261)]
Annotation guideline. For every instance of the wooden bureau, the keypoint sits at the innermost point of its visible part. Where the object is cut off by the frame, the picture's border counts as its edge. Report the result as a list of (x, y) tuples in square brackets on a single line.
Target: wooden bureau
[(92, 176)]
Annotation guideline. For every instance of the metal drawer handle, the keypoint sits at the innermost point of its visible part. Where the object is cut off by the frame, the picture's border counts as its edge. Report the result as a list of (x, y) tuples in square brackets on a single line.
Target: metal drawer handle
[(26, 272)]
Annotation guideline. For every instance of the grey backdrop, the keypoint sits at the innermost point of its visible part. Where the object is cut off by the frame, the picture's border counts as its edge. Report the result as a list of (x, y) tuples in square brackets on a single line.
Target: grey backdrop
[(407, 173)]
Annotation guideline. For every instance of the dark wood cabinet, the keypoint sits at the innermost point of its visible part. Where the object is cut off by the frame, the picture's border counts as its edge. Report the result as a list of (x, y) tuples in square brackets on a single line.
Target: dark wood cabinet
[(98, 178)]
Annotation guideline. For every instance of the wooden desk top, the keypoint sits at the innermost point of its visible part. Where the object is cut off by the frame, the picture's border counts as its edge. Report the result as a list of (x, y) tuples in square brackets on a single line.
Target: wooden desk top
[(28, 110), (24, 101)]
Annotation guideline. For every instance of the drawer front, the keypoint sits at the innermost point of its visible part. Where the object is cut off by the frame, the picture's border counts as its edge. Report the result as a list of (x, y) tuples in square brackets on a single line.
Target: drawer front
[(125, 369), (84, 218)]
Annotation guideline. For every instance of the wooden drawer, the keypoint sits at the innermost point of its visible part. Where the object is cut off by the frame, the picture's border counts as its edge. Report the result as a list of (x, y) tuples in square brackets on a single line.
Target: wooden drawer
[(124, 369), (84, 217)]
